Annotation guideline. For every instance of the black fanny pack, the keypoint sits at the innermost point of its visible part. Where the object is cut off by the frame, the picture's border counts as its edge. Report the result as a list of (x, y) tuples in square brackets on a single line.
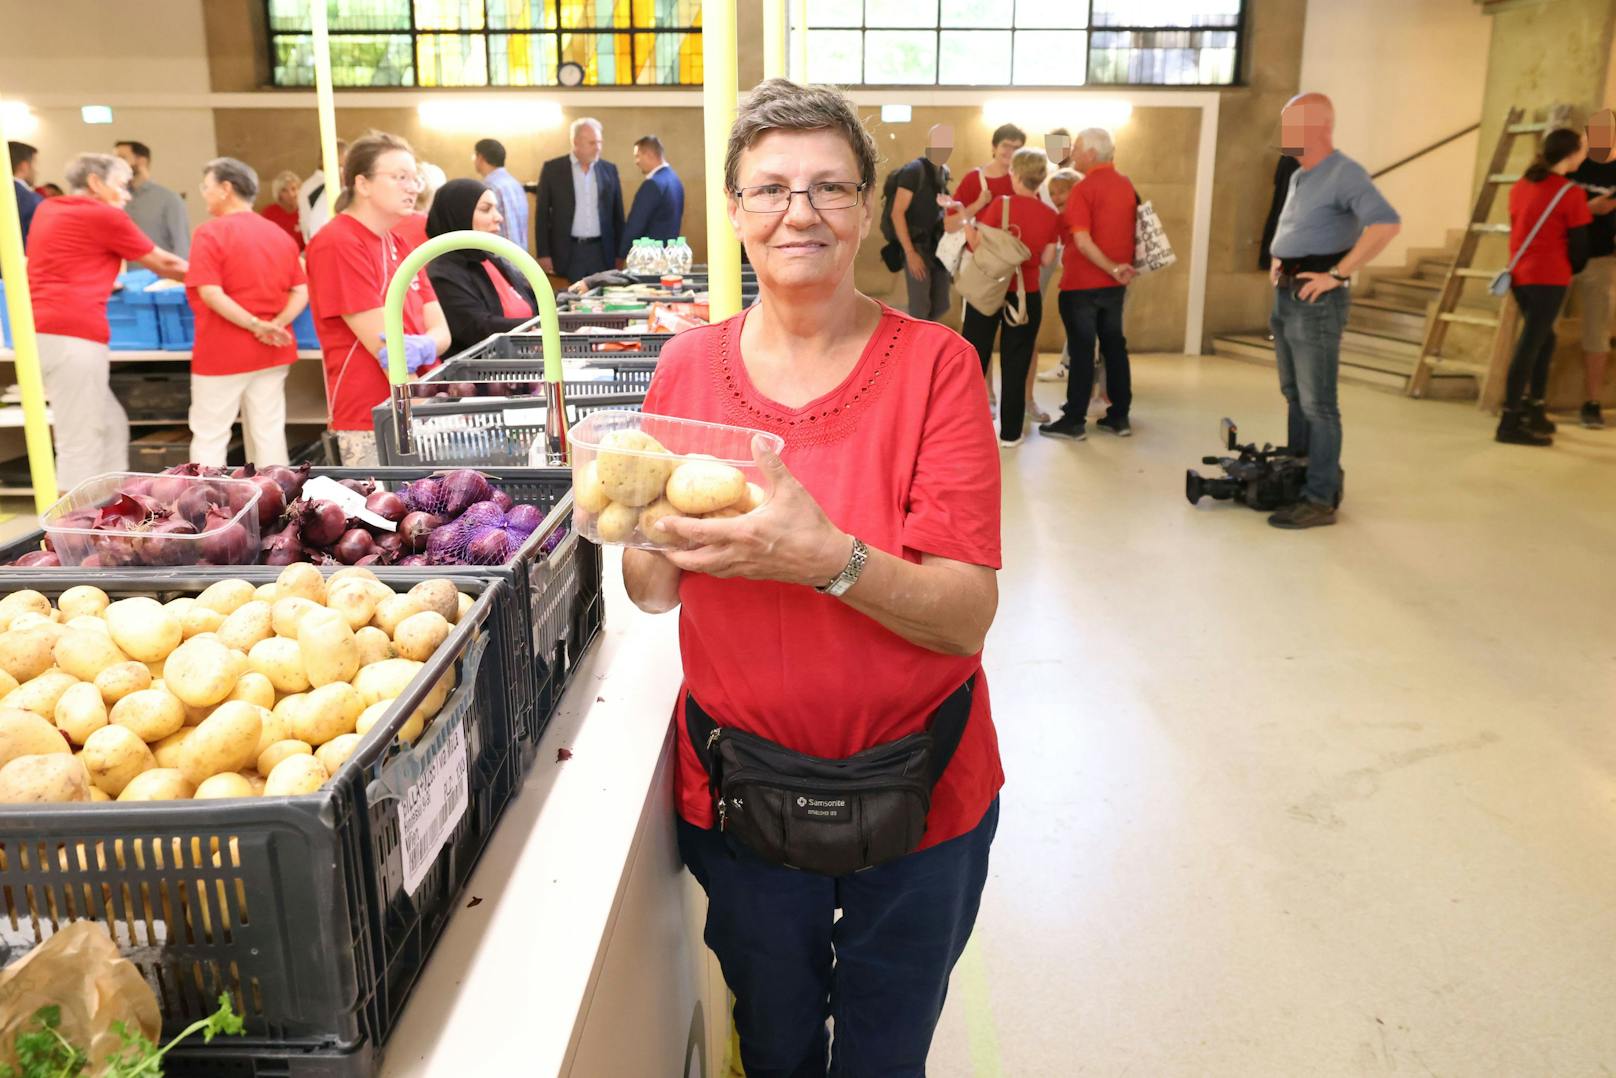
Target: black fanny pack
[(827, 816)]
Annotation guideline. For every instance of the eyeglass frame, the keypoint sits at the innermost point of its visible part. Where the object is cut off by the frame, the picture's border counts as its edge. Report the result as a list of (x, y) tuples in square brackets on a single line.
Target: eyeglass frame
[(400, 178), (807, 192)]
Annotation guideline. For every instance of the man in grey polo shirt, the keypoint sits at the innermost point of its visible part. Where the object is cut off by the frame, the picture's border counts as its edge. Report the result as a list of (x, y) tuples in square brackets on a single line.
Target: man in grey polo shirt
[(157, 211), (1333, 223)]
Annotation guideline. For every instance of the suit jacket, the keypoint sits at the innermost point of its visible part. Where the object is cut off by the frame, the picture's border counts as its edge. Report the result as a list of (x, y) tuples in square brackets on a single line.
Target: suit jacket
[(658, 212), (552, 221), (470, 305)]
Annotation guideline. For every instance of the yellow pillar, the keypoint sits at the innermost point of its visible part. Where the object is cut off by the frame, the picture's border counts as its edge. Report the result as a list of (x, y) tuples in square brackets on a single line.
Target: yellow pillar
[(718, 107), (776, 32), (799, 40), (36, 428), (325, 103)]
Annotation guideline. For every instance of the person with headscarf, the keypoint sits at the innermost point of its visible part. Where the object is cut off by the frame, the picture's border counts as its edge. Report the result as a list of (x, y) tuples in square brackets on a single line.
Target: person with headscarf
[(481, 294)]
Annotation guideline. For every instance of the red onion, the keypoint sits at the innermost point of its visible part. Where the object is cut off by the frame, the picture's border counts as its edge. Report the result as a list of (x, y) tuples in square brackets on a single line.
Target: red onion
[(359, 486), (425, 495), (483, 515), (390, 542), (140, 487), (523, 518), (126, 512), (195, 501), (462, 389), (290, 480), (323, 523), (115, 550), (379, 558), (91, 562), (355, 543), (387, 505), (501, 499), (271, 500), (413, 560), (167, 488), (243, 472), (38, 559), (285, 546), (417, 528), (447, 541), (492, 547), (225, 543), (462, 488), (161, 543)]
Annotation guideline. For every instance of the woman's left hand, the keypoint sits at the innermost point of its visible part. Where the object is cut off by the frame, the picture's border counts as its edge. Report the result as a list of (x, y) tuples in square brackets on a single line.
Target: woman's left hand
[(789, 539)]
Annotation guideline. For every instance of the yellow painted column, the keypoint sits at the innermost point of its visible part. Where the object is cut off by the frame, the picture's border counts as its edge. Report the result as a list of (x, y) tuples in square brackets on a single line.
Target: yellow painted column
[(718, 106), (36, 427), (776, 33), (799, 40), (325, 103)]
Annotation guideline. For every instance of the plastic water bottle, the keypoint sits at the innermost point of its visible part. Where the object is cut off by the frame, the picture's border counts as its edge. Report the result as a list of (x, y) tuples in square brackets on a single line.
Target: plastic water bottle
[(680, 256)]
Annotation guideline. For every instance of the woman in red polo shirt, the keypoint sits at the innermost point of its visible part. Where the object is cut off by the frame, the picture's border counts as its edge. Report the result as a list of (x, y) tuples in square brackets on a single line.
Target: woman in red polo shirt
[(283, 211), (481, 294), (847, 613), (992, 180), (1543, 199), (245, 285), (76, 246), (350, 262)]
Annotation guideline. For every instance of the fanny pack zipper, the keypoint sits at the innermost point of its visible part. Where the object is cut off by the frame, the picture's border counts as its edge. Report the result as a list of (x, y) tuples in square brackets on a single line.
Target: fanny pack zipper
[(855, 785)]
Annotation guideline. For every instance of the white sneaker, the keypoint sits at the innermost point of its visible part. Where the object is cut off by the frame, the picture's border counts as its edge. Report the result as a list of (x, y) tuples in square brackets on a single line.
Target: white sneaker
[(1056, 373), (1011, 443)]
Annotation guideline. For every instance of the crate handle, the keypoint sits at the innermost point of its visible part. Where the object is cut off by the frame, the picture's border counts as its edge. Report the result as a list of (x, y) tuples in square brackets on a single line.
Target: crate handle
[(402, 771), (555, 433)]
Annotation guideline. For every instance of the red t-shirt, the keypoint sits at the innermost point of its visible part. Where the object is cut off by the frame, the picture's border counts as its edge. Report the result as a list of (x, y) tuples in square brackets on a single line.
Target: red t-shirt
[(283, 218), (411, 231), (902, 455), (76, 246), (349, 268), (511, 302), (970, 188), (1106, 207), (257, 266), (1037, 225), (1547, 260)]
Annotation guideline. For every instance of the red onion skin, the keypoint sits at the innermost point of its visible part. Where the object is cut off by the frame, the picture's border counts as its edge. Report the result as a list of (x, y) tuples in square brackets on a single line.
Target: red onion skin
[(193, 504), (387, 505), (447, 541), (162, 543), (92, 562), (412, 561), (501, 499), (167, 488), (225, 543), (290, 480), (417, 529), (138, 486), (425, 495), (391, 542), (359, 486), (461, 489), (38, 559), (355, 543), (490, 548), (323, 523), (271, 501), (283, 551), (523, 518), (379, 558)]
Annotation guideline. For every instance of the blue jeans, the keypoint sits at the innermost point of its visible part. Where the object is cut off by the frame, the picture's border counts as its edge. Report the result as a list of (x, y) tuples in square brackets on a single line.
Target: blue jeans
[(1094, 315), (881, 971), (1307, 343)]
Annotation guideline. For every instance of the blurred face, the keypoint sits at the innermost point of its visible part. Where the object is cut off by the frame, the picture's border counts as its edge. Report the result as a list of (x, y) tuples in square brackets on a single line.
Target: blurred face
[(114, 190), (646, 159), (1004, 151), (392, 185), (1059, 193), (1304, 127), (215, 195), (486, 217), (137, 165), (1602, 135), (801, 247), (287, 197), (586, 145), (25, 171)]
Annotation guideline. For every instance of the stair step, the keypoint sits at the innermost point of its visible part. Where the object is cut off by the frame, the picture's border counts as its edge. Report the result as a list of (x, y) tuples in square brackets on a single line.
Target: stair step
[(1374, 343), (1412, 291), (1362, 368), (1434, 269)]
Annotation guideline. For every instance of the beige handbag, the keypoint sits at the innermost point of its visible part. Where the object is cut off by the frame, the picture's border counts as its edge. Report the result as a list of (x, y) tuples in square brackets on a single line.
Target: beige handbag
[(985, 273)]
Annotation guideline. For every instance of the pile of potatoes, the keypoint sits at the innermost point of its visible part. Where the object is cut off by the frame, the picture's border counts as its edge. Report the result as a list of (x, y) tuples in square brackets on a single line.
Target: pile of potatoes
[(240, 691), (626, 492)]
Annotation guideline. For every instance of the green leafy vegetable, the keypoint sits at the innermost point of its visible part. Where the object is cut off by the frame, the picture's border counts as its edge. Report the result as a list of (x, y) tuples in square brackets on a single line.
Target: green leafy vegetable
[(45, 1053)]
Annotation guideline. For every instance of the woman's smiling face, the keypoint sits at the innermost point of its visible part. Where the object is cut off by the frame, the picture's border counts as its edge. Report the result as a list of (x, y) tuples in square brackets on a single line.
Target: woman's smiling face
[(800, 246)]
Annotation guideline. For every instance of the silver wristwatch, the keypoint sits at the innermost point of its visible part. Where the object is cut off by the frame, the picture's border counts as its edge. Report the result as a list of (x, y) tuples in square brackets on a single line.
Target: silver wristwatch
[(849, 575)]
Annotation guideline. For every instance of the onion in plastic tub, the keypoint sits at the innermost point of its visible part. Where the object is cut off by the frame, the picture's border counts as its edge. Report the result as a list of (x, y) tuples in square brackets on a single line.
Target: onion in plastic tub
[(127, 518), (630, 469)]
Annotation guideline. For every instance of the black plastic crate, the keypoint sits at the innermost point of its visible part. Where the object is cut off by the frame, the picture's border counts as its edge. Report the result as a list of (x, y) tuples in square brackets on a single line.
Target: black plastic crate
[(296, 906), (149, 393)]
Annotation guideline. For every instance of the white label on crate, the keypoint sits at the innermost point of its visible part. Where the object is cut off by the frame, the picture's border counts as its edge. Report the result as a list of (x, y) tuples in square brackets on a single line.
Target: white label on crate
[(326, 489), (431, 808), (528, 416)]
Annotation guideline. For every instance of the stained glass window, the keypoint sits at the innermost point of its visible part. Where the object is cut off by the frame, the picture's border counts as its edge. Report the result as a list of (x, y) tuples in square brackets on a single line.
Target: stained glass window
[(491, 42)]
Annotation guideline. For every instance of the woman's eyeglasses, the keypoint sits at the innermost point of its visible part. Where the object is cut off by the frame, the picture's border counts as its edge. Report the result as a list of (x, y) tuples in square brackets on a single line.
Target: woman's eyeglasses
[(776, 197), (403, 179)]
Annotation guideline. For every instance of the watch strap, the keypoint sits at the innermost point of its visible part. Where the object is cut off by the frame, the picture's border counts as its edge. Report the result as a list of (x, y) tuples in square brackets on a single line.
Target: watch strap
[(850, 572)]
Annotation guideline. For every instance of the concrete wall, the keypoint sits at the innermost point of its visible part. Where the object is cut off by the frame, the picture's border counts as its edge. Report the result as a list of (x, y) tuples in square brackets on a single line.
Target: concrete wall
[(1419, 95)]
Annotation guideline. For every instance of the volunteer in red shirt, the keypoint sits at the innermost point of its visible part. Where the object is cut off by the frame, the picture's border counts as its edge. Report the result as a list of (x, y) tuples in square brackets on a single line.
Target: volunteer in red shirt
[(246, 285), (846, 613), (76, 247), (1038, 228), (480, 293), (350, 262), (992, 180), (1542, 268), (283, 211), (1099, 215)]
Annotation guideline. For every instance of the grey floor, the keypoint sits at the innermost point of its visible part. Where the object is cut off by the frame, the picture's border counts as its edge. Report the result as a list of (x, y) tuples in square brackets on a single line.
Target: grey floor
[(1339, 802)]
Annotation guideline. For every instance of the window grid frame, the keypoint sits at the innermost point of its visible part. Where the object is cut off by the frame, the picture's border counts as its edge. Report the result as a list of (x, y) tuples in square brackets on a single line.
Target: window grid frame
[(488, 34)]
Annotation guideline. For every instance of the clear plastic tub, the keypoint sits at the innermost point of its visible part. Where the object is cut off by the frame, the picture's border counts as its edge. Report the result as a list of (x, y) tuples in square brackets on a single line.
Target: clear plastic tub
[(67, 524), (622, 483)]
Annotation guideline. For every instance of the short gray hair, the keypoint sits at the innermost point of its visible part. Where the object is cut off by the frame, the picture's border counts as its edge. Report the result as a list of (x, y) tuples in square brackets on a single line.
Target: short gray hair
[(572, 132), (284, 177), (1099, 140), (101, 165), (238, 174), (783, 105)]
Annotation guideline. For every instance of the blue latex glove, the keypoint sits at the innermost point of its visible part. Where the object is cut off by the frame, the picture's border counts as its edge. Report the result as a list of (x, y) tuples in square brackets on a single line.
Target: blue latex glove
[(420, 351)]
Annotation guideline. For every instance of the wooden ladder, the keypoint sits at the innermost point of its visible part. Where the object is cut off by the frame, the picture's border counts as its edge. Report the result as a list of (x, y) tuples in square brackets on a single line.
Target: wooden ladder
[(1491, 373)]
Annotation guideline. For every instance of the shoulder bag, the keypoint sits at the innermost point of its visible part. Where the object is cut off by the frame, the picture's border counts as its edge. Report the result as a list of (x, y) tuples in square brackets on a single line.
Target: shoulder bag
[(951, 248), (1501, 284), (985, 273)]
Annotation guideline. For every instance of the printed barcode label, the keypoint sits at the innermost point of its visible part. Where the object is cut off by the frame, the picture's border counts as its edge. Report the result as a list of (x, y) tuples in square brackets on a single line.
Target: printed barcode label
[(433, 805)]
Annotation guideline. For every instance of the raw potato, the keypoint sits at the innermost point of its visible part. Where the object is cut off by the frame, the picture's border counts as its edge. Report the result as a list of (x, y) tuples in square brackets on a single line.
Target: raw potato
[(463, 606), (277, 726), (587, 492), (226, 741), (23, 733), (22, 602), (328, 712), (228, 784), (39, 779), (630, 479), (247, 625), (389, 612), (653, 513), (27, 653), (152, 714), (705, 486), (419, 635), (116, 682), (32, 620), (386, 680), (440, 595), (616, 523), (113, 756), (85, 622), (143, 629), (167, 751), (80, 712), (350, 572), (330, 652), (280, 660), (267, 593), (334, 753), (98, 794), (40, 695), (279, 751), (199, 619), (729, 512), (287, 613), (370, 716), (303, 580), (296, 775), (158, 784), (226, 596), (82, 601), (354, 600), (85, 654), (255, 780), (202, 672), (755, 497), (7, 682), (374, 645), (407, 733)]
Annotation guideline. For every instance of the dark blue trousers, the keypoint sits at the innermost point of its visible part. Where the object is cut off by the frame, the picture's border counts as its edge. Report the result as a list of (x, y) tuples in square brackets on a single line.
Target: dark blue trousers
[(880, 972)]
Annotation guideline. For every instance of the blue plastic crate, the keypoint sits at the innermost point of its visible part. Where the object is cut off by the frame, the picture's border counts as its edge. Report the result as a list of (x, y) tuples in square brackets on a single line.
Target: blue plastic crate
[(303, 330), (132, 314), (5, 318), (176, 322)]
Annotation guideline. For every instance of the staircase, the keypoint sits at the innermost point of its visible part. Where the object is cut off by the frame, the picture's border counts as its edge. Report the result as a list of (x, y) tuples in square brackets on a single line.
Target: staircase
[(1385, 328)]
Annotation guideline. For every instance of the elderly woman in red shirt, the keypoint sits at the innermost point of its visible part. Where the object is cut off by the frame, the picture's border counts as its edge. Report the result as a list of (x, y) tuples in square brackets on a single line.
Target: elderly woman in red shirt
[(845, 615)]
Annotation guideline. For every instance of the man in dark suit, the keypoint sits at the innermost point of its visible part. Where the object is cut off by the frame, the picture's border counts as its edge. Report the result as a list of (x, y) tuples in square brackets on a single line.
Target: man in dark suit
[(659, 204), (579, 217)]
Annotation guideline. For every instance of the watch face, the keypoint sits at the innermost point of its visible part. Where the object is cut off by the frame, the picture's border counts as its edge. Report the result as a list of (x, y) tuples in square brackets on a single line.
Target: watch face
[(571, 73)]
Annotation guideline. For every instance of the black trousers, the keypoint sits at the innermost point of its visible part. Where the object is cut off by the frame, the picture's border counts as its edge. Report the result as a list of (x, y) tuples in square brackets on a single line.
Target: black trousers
[(1534, 351), (1090, 315), (1018, 345), (587, 257)]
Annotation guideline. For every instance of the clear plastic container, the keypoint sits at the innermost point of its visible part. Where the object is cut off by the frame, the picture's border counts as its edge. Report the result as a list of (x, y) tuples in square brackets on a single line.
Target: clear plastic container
[(680, 257), (623, 483), (233, 541)]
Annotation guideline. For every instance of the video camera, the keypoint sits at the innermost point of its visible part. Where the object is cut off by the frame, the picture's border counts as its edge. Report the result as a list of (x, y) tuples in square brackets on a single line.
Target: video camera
[(1265, 479)]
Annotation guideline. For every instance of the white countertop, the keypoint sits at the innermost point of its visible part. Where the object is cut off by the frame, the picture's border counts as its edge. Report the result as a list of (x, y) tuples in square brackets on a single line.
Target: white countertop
[(509, 980)]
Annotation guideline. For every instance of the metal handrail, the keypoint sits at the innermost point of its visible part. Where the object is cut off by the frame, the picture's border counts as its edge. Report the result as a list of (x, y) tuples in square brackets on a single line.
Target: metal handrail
[(1415, 156)]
